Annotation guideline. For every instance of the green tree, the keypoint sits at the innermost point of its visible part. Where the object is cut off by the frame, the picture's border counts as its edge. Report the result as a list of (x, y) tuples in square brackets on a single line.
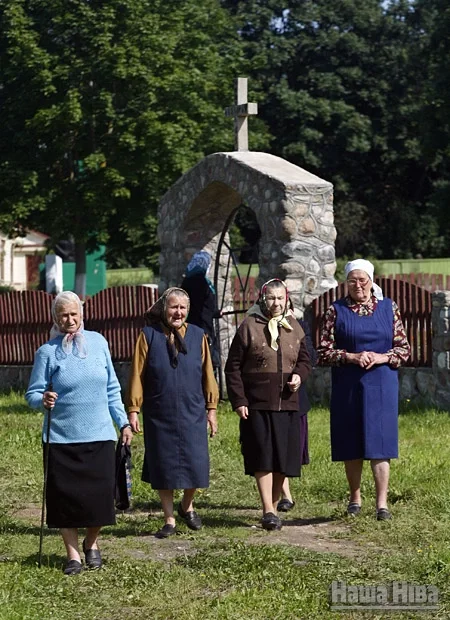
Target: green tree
[(104, 104), (342, 89)]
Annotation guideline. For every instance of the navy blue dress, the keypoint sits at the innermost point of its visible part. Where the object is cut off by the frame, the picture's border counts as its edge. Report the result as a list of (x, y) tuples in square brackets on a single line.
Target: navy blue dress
[(364, 403), (174, 413)]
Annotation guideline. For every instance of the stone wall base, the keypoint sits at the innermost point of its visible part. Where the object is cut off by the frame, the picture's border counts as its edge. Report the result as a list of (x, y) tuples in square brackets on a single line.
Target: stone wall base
[(421, 386)]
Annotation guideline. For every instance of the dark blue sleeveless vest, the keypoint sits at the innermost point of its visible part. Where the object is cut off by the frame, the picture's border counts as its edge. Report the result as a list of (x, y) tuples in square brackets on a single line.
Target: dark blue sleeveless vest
[(364, 403), (175, 433)]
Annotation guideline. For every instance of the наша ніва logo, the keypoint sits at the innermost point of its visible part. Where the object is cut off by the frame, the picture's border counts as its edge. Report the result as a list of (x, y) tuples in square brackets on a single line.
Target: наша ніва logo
[(399, 595)]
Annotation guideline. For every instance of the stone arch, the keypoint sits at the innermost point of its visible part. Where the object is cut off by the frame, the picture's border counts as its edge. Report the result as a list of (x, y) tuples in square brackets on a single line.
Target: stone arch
[(293, 207)]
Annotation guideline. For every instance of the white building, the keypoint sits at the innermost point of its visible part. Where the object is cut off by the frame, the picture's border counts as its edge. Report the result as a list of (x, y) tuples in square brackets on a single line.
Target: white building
[(20, 258)]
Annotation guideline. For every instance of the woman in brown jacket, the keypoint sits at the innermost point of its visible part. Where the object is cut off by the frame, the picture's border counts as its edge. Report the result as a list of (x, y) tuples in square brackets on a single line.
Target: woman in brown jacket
[(266, 365)]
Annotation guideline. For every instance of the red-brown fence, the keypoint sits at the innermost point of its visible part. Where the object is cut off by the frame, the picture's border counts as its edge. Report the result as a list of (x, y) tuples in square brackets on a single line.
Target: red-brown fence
[(430, 281), (414, 303), (25, 322), (117, 313)]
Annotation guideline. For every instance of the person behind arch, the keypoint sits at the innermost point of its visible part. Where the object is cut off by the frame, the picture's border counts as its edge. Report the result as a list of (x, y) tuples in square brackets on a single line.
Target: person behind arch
[(286, 502), (202, 295), (364, 341)]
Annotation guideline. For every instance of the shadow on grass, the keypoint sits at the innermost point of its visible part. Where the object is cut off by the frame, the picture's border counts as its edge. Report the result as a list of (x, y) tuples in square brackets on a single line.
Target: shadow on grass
[(13, 527), (312, 521), (48, 561), (141, 506)]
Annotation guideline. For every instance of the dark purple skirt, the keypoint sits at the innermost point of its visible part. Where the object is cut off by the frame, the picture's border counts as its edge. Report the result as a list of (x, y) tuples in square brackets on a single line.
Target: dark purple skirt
[(304, 439)]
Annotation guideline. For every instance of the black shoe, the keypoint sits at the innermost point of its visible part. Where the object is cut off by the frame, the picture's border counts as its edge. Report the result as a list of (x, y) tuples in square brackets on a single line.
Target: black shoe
[(73, 567), (166, 531), (353, 509), (271, 522), (191, 518), (383, 514), (92, 557), (285, 505)]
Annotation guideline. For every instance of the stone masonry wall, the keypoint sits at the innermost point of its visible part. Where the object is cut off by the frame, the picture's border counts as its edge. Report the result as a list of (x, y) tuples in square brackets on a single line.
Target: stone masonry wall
[(293, 207)]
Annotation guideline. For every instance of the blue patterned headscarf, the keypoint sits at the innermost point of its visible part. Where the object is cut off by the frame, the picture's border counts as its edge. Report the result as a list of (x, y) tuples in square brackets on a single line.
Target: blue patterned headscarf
[(199, 263)]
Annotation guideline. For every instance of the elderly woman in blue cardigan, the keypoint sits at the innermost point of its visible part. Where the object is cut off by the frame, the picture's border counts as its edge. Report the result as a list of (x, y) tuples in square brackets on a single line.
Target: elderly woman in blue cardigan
[(73, 376)]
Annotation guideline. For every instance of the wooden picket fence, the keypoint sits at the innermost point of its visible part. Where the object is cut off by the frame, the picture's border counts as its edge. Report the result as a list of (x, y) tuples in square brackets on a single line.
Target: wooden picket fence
[(429, 281), (117, 313)]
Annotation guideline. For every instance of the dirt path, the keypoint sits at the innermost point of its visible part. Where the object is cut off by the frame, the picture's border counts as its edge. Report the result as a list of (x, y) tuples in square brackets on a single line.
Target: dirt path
[(321, 536)]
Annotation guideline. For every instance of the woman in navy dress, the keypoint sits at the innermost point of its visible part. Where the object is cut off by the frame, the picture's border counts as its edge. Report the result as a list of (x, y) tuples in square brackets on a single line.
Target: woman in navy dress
[(172, 380), (364, 341)]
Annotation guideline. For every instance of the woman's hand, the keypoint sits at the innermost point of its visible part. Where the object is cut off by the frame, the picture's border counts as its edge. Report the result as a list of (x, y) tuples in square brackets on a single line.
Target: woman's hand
[(377, 358), (212, 422), (360, 359), (367, 359), (242, 412), (49, 399), (126, 435), (295, 383), (133, 419)]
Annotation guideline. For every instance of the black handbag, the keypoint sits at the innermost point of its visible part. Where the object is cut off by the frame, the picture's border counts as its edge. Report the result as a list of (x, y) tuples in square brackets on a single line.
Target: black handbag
[(123, 476)]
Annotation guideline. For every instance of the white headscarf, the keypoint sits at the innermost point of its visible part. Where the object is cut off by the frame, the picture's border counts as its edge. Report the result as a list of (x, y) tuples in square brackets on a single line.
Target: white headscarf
[(364, 265), (64, 298)]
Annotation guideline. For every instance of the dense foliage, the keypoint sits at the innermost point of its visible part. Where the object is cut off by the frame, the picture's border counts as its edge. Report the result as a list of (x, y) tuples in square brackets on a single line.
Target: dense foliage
[(105, 104), (359, 94)]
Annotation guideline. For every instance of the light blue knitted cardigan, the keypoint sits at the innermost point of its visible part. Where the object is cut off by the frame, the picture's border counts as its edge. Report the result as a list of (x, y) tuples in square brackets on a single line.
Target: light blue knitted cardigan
[(88, 391)]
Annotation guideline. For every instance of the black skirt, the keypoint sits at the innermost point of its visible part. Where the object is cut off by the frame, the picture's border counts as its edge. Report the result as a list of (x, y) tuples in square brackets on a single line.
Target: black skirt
[(81, 484), (271, 441)]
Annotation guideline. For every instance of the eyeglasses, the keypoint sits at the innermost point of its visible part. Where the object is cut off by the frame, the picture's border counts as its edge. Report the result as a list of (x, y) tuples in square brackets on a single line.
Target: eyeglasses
[(359, 281)]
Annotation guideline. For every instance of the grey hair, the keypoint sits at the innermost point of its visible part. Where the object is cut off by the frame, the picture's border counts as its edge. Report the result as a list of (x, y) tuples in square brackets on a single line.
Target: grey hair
[(61, 300)]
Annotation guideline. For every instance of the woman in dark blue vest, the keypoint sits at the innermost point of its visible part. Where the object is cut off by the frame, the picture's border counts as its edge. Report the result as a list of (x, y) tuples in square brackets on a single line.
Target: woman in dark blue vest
[(364, 341), (172, 379)]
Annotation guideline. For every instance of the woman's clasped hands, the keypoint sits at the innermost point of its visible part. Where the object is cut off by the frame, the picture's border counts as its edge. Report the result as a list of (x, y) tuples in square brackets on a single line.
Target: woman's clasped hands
[(367, 359)]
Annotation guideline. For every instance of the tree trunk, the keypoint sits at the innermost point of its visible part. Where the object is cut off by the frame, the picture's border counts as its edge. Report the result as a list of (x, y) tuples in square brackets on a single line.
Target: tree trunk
[(80, 269)]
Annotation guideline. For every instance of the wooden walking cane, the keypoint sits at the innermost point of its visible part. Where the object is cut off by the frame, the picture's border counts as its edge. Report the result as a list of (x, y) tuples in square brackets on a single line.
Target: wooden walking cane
[(44, 490)]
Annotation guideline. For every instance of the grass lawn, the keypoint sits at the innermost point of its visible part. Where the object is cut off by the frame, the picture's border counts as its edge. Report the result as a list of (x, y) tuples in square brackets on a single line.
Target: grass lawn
[(232, 569)]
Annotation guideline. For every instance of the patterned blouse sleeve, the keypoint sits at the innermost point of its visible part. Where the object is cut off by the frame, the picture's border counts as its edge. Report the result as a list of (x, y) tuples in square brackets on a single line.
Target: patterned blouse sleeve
[(327, 354), (401, 349)]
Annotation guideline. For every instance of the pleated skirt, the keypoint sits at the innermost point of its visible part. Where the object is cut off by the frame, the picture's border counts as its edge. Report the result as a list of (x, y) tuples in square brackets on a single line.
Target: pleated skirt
[(271, 441), (81, 485)]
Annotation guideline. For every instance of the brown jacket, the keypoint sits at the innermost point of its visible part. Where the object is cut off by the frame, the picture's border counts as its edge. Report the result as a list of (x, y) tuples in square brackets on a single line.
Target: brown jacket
[(256, 375)]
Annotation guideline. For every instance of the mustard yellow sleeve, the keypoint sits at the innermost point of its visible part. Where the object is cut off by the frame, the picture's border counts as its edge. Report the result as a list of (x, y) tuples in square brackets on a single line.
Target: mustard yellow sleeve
[(210, 389), (135, 392)]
